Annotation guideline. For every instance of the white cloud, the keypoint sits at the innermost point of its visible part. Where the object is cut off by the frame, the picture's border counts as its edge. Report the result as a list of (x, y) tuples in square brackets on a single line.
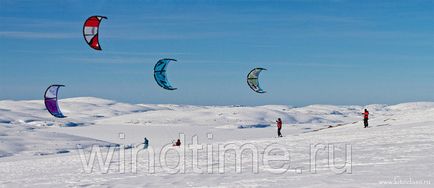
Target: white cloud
[(37, 35)]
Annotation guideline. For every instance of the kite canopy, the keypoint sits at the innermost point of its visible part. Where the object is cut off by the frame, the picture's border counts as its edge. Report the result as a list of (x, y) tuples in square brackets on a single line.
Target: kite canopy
[(51, 101), (91, 30), (252, 80), (160, 73)]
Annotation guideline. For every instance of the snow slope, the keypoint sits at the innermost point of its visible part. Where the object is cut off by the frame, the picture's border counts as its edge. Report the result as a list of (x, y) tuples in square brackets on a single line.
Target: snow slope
[(36, 149), (101, 119)]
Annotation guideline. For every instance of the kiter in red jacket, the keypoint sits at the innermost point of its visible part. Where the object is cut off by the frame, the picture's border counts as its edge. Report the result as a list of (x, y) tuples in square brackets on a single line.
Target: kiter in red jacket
[(365, 118), (279, 127)]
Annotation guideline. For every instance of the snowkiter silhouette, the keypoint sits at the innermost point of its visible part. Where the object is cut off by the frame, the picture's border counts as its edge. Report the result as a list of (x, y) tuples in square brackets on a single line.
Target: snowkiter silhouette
[(178, 143), (145, 143), (366, 118)]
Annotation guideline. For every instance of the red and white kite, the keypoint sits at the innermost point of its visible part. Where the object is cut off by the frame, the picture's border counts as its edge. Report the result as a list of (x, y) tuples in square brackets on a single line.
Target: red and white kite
[(90, 31)]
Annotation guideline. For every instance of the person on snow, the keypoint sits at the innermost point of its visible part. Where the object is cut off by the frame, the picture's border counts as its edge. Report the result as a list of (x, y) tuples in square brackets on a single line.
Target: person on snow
[(365, 118), (178, 143), (145, 143), (279, 127)]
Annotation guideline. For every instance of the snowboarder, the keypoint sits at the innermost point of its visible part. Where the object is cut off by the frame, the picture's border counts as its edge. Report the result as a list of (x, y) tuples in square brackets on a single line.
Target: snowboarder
[(365, 118), (178, 143), (279, 127), (145, 143)]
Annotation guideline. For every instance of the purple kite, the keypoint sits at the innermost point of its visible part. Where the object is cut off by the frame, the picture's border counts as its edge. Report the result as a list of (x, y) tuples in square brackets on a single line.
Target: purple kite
[(51, 101)]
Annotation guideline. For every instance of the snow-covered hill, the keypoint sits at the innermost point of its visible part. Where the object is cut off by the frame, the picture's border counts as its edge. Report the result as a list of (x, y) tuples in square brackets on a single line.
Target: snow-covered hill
[(36, 147), (91, 118)]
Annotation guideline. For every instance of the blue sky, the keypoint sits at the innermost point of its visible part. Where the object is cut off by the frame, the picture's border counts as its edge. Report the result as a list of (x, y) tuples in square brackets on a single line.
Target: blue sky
[(332, 52)]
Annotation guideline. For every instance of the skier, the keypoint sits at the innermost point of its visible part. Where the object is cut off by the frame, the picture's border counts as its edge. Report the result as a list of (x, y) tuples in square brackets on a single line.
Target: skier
[(365, 117), (145, 143), (279, 127), (178, 143)]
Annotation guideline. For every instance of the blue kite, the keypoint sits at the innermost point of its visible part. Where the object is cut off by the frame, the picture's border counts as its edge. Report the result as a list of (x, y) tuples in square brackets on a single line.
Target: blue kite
[(160, 73)]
